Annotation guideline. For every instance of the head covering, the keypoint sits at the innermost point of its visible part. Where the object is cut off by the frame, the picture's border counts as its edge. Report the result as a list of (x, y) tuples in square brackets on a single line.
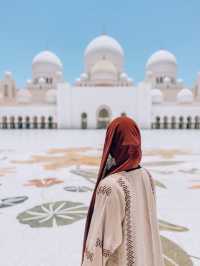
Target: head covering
[(121, 152)]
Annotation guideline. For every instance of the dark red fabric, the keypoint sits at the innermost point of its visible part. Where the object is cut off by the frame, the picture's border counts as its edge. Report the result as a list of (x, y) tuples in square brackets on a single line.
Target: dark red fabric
[(123, 143)]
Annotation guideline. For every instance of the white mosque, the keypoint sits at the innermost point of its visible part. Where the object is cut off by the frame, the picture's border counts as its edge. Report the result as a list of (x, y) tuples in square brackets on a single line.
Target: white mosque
[(102, 92)]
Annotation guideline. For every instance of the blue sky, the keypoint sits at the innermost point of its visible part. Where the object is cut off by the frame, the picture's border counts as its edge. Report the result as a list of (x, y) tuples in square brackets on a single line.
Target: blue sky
[(66, 27)]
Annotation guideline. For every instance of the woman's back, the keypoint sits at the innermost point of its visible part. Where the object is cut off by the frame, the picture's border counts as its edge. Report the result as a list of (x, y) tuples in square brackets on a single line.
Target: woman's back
[(124, 228)]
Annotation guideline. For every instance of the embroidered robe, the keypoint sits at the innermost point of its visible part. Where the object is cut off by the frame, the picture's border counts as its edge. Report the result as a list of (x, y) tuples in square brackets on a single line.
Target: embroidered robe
[(124, 229)]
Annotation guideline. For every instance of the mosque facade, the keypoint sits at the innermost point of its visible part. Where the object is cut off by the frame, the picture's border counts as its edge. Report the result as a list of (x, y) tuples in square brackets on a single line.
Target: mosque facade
[(103, 91)]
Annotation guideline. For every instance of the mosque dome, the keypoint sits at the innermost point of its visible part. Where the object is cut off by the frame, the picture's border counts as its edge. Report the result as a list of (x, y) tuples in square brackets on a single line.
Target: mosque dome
[(46, 64), (157, 96), (51, 96), (47, 57), (104, 47), (23, 96), (124, 76), (8, 75), (162, 64), (185, 96), (84, 77)]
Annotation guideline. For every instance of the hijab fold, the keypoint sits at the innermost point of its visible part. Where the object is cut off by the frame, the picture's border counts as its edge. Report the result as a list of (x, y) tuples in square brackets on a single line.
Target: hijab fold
[(121, 152)]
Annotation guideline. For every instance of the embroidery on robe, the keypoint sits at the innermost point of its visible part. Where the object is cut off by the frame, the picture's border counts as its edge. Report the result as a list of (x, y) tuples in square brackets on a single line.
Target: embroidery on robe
[(89, 255), (104, 189), (105, 252), (131, 232)]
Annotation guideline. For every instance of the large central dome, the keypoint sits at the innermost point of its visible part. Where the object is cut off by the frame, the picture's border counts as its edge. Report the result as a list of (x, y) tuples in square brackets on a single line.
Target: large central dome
[(104, 47)]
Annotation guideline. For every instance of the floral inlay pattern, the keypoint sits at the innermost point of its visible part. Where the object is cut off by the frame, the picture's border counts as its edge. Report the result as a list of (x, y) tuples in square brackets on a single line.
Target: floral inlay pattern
[(53, 214)]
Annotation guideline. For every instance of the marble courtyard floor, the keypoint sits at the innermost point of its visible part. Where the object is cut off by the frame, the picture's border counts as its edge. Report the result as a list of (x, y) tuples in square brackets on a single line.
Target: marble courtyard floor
[(46, 179)]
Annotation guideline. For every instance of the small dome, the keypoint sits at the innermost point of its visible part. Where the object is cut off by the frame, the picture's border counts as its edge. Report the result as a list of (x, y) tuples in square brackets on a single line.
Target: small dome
[(162, 64), (161, 56), (84, 76), (8, 74), (47, 57), (29, 81), (185, 96), (51, 96), (103, 47), (45, 65), (124, 76), (104, 66), (157, 96), (23, 96)]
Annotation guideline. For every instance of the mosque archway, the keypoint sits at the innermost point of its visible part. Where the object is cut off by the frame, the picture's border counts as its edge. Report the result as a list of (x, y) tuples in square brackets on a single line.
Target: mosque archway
[(165, 122), (181, 122), (35, 122), (43, 122), (19, 122), (197, 122), (189, 122), (12, 122), (157, 123), (27, 122), (173, 122), (83, 120), (103, 117), (50, 122), (4, 122)]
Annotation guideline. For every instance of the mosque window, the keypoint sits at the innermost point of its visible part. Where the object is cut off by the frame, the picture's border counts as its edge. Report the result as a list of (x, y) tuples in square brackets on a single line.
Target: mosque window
[(161, 79)]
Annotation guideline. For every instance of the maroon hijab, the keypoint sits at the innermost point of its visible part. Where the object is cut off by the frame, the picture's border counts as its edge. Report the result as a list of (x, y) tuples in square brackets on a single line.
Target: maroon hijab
[(121, 152)]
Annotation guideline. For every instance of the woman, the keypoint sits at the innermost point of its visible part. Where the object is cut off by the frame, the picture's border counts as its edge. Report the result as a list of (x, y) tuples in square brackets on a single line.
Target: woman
[(121, 227)]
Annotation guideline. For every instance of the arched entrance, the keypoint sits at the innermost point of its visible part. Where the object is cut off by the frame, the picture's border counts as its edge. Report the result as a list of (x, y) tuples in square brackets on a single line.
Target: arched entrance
[(103, 117), (12, 122), (20, 122), (189, 122), (4, 122), (173, 122), (165, 122), (50, 122), (181, 122), (43, 123), (84, 120), (157, 123), (27, 122), (197, 122), (35, 122)]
